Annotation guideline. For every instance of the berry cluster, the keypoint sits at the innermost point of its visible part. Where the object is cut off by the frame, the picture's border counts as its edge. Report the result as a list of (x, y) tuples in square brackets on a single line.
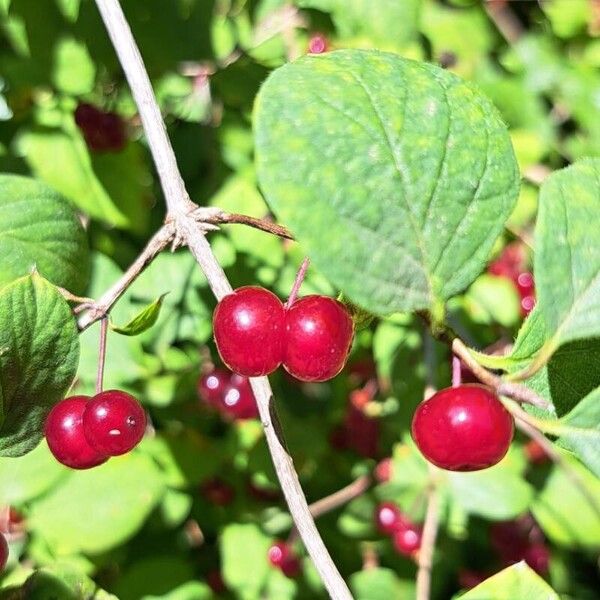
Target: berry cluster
[(255, 333), (103, 131), (282, 557), (406, 535), (512, 264), (229, 393), (464, 428), (83, 432)]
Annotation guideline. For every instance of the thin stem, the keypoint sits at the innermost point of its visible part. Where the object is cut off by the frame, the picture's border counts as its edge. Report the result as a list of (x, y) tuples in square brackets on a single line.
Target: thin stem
[(300, 275), (505, 20), (528, 425), (101, 354), (159, 241), (430, 529), (262, 224), (180, 210), (456, 371)]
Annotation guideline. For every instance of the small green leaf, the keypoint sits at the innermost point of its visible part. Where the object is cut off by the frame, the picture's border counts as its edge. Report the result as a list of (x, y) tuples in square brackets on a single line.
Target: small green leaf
[(412, 207), (74, 71), (493, 300), (380, 584), (38, 228), (580, 431), (142, 321), (39, 335), (568, 251), (517, 581), (73, 516), (563, 512), (243, 570)]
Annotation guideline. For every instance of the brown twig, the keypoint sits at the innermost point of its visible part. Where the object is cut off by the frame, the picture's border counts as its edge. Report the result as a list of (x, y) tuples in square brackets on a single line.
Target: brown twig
[(300, 275), (180, 212), (528, 425), (430, 530), (262, 224), (505, 20)]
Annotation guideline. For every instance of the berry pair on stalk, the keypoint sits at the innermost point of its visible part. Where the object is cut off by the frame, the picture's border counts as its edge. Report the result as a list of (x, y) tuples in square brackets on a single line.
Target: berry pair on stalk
[(83, 432), (406, 535), (255, 333)]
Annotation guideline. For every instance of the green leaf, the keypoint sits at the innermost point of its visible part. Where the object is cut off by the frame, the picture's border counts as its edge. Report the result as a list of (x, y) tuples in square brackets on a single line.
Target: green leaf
[(420, 195), (244, 571), (39, 361), (142, 321), (517, 581), (563, 512), (193, 590), (498, 493), (580, 431), (568, 251), (74, 71), (380, 584), (493, 299), (38, 228), (29, 476), (73, 517)]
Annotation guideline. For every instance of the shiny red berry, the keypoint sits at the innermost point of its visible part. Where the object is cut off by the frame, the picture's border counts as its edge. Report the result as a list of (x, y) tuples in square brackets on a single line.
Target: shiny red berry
[(114, 422), (248, 327), (238, 400), (3, 552), (388, 518), (278, 553), (465, 428), (317, 44), (407, 538), (319, 334), (65, 437), (211, 386)]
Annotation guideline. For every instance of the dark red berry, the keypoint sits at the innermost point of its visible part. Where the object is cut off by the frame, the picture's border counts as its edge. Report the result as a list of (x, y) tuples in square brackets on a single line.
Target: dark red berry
[(211, 386), (291, 567), (361, 432), (407, 538), (249, 327), (3, 552), (65, 436), (465, 428), (217, 492), (467, 578), (388, 518), (238, 400), (511, 261), (114, 422), (383, 470), (87, 116), (318, 44), (278, 553), (319, 334), (215, 582), (537, 556)]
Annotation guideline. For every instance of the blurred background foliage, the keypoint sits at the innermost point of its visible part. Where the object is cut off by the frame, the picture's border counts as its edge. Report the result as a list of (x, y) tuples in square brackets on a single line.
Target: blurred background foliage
[(150, 525)]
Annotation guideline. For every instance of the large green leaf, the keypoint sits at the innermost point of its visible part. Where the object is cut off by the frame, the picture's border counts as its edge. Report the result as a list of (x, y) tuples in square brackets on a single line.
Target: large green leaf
[(567, 257), (39, 350), (73, 517), (38, 228), (399, 169), (517, 581)]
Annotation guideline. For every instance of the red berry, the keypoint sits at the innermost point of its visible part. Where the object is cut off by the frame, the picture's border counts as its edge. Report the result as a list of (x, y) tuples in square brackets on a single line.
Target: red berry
[(278, 553), (537, 556), (465, 428), (318, 44), (102, 131), (65, 436), (468, 578), (407, 538), (114, 422), (217, 491), (535, 454), (249, 328), (238, 400), (87, 116), (212, 385), (361, 432), (388, 518), (291, 567), (319, 334), (511, 262), (383, 470), (215, 582), (3, 552)]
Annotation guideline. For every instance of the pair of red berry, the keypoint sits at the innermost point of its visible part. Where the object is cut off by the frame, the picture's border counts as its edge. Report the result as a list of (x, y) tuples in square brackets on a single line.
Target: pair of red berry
[(512, 264), (282, 556), (103, 131), (83, 432), (406, 535), (229, 393), (463, 428), (255, 333)]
